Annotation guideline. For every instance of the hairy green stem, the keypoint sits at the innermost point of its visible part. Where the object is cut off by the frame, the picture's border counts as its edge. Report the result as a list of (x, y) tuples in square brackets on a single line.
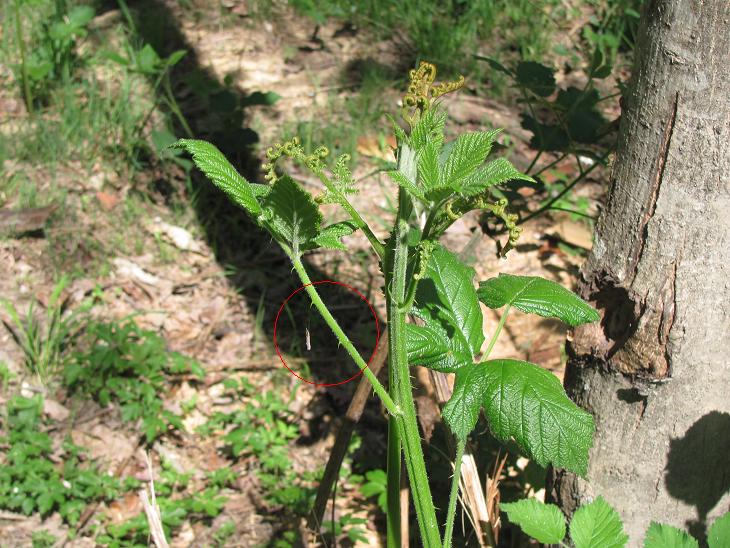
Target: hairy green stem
[(451, 512), (376, 244), (342, 337), (393, 522), (401, 386)]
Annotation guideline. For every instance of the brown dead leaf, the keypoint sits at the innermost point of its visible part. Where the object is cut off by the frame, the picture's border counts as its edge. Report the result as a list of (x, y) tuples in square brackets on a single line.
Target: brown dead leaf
[(55, 410), (125, 508), (575, 233), (375, 147), (107, 200)]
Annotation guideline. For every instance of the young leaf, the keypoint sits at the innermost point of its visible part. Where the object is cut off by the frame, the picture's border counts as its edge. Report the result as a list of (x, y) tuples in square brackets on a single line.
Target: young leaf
[(330, 236), (219, 170), (528, 404), (294, 216), (467, 154), (428, 166), (428, 129), (429, 346), (496, 172), (665, 536), (536, 295), (719, 534), (400, 178), (447, 294), (597, 525), (543, 522)]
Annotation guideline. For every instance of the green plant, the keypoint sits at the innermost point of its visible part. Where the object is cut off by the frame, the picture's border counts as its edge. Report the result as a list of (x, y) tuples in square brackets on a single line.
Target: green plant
[(598, 525), (128, 365), (53, 55), (45, 343), (30, 478), (43, 539), (438, 182)]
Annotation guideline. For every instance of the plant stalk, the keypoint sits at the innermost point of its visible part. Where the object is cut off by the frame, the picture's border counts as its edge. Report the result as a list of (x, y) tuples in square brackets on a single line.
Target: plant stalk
[(342, 337), (451, 512), (401, 382), (27, 93)]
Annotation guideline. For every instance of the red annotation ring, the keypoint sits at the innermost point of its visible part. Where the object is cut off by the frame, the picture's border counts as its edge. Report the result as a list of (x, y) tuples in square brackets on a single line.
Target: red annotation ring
[(377, 332)]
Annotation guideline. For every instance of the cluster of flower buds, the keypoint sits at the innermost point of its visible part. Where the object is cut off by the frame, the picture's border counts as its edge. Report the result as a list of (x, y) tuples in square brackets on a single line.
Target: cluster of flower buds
[(421, 91)]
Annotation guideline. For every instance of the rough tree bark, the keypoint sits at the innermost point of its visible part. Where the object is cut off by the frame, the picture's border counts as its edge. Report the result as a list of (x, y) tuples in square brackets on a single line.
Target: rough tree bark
[(655, 372)]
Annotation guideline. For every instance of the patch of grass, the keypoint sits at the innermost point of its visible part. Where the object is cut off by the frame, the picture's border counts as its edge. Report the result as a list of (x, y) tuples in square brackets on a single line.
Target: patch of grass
[(128, 365), (356, 113), (46, 339)]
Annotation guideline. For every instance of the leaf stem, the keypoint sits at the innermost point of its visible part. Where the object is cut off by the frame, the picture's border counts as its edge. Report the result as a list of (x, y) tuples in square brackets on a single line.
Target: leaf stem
[(497, 331), (376, 244), (451, 512), (342, 337)]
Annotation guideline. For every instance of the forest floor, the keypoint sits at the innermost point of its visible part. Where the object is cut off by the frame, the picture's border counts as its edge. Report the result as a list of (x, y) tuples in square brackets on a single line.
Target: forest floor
[(211, 286)]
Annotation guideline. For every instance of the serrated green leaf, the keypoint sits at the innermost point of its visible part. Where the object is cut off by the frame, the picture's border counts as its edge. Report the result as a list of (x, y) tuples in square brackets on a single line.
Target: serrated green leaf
[(665, 536), (219, 170), (528, 404), (718, 535), (429, 346), (292, 214), (447, 294), (597, 525), (428, 129), (428, 166), (543, 522), (536, 295), (496, 172), (330, 236), (466, 155), (400, 178), (461, 412)]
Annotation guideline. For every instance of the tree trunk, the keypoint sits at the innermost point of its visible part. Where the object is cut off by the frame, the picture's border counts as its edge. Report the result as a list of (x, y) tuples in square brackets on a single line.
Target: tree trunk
[(655, 372)]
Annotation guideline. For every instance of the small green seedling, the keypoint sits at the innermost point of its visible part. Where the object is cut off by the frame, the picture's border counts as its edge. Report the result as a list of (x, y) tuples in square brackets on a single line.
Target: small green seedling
[(438, 183)]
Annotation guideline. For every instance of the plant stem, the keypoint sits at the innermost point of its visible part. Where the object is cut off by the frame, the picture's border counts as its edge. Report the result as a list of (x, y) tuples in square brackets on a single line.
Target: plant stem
[(497, 331), (563, 192), (28, 94), (393, 523), (451, 512), (401, 381), (342, 338)]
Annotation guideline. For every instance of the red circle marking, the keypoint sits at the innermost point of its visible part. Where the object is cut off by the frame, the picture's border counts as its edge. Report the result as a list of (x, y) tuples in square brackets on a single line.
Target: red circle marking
[(377, 332)]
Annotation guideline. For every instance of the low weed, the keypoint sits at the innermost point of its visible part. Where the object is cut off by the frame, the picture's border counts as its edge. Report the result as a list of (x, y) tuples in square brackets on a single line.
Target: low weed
[(598, 524), (128, 365), (176, 504), (263, 427), (31, 478)]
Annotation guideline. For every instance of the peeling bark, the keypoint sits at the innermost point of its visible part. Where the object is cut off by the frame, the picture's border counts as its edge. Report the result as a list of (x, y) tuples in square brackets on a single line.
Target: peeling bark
[(655, 370)]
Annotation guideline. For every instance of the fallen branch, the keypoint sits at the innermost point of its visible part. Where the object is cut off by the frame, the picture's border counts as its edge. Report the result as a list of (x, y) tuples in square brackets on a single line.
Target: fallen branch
[(342, 441)]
